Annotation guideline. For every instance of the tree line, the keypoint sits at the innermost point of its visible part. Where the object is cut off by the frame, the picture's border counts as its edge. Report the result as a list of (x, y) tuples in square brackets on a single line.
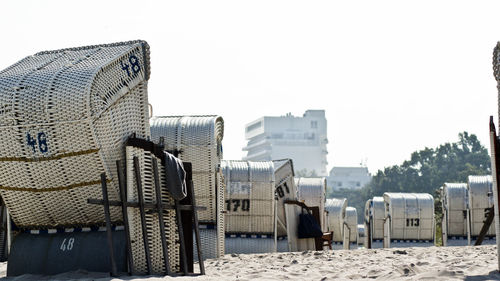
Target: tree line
[(424, 172)]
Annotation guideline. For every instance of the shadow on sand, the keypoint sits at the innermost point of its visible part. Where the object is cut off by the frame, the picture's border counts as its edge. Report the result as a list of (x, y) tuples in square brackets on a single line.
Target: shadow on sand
[(494, 275)]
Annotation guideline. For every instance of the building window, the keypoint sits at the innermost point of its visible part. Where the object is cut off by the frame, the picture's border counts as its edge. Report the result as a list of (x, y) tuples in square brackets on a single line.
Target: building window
[(309, 136), (314, 124), (358, 184)]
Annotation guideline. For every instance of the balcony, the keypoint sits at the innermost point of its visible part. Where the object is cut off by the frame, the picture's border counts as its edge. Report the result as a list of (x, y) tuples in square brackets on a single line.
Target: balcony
[(263, 142)]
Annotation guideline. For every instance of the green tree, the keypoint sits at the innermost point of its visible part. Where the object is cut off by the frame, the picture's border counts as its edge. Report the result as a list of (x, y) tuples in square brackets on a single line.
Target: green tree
[(429, 168), (426, 171)]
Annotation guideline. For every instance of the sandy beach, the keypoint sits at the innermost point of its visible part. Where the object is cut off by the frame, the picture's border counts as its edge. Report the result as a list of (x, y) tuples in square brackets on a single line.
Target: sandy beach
[(432, 263)]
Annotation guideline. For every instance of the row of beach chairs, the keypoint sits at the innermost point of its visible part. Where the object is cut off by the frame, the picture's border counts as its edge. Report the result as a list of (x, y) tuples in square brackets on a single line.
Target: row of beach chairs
[(88, 175), (408, 220)]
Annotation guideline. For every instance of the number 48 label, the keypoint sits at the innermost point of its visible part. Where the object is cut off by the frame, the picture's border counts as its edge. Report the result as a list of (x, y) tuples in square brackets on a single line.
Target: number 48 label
[(37, 142), (132, 67), (67, 244)]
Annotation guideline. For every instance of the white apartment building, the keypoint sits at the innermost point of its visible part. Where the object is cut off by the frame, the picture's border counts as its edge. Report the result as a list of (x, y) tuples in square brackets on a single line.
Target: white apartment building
[(303, 139), (348, 177)]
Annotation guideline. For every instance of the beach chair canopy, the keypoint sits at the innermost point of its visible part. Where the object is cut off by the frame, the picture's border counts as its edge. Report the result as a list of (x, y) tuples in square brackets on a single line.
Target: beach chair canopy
[(454, 201), (411, 215), (65, 115), (249, 196), (480, 190)]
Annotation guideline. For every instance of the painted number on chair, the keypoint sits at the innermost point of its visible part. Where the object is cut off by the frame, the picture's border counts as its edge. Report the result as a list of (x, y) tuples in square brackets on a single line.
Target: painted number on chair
[(234, 204), (67, 244), (132, 67), (38, 142), (281, 192), (486, 212), (412, 222)]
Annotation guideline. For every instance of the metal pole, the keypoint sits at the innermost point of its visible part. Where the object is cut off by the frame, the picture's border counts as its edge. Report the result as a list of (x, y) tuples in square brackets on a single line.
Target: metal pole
[(107, 216)]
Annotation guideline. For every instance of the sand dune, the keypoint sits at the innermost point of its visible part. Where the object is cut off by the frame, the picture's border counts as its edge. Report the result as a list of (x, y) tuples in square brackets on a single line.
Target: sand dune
[(432, 263)]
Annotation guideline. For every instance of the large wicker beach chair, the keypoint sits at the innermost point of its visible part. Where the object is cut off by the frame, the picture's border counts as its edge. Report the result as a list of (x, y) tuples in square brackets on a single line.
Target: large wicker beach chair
[(198, 139), (65, 115)]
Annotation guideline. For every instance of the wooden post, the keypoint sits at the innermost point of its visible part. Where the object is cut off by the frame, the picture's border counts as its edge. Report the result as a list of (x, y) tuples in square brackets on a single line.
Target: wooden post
[(495, 165), (387, 232), (369, 234), (160, 217), (193, 215), (196, 229), (137, 169), (181, 238), (346, 240), (444, 228), (275, 229), (318, 241), (123, 197), (187, 218), (3, 228), (469, 228), (486, 227), (107, 216)]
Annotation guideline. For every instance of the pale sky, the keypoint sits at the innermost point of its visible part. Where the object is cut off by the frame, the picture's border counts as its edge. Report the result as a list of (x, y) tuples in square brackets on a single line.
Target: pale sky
[(393, 76)]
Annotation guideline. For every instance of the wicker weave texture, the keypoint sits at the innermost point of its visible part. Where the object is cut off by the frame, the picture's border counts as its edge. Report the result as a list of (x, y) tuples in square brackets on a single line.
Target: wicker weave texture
[(479, 187), (336, 208), (378, 211), (209, 244), (361, 235), (199, 141), (368, 216), (65, 115), (351, 219), (313, 192), (249, 196), (153, 227), (221, 226), (239, 245), (411, 215), (454, 203), (285, 190)]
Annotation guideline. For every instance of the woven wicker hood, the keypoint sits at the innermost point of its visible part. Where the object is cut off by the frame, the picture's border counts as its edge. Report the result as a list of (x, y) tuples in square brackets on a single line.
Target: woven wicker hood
[(65, 115)]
